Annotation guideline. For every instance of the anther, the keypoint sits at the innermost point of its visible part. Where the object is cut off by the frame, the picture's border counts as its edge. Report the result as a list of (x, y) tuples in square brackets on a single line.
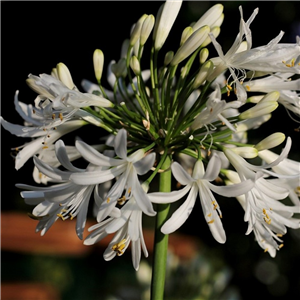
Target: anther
[(247, 87), (53, 116), (108, 200), (210, 222), (280, 246), (61, 116)]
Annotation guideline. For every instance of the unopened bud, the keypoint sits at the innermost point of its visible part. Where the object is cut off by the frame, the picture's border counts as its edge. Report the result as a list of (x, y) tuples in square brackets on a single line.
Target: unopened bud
[(98, 60), (265, 106), (146, 29), (202, 74), (246, 152), (187, 32), (136, 32), (135, 65), (271, 141), (119, 69), (165, 19), (191, 44), (203, 55), (168, 57), (65, 75), (211, 17), (215, 31)]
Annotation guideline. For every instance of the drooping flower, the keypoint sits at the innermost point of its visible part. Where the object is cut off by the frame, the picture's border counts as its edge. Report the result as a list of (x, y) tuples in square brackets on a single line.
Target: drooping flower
[(199, 184), (127, 228), (126, 169), (63, 200)]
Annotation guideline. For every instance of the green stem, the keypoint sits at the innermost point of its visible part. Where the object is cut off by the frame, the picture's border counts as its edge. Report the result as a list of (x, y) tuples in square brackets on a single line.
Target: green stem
[(160, 239)]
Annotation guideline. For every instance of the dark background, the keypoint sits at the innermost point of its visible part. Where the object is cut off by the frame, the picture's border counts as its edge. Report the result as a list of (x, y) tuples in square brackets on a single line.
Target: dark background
[(37, 35)]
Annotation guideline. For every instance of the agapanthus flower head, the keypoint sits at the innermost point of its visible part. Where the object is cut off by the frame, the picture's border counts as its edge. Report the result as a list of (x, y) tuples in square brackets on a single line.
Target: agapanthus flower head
[(168, 122)]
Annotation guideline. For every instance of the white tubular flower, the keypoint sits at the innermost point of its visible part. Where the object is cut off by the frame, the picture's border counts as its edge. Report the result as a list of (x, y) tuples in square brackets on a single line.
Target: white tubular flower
[(127, 228), (267, 58), (64, 200), (42, 139), (126, 168), (266, 216), (62, 97), (165, 20), (199, 183), (287, 174)]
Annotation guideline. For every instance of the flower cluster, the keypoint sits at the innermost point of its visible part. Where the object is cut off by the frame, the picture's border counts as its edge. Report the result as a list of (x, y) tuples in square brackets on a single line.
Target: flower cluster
[(188, 117)]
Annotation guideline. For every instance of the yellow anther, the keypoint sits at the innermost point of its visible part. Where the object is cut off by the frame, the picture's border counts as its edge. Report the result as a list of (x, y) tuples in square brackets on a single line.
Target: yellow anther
[(53, 116), (288, 65), (71, 216), (215, 206), (44, 129), (284, 62), (61, 216), (61, 116), (60, 204), (280, 246), (119, 247), (266, 250), (108, 200), (129, 191), (247, 87), (228, 93), (40, 175), (64, 210), (208, 152), (45, 147), (264, 211), (209, 215), (229, 87), (121, 200), (241, 82), (210, 222)]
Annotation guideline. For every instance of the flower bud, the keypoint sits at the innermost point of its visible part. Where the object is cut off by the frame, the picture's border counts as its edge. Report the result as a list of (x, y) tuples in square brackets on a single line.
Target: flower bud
[(146, 29), (187, 32), (215, 31), (135, 65), (98, 60), (165, 19), (265, 106), (211, 17), (246, 152), (252, 123), (64, 75), (168, 57), (203, 55), (191, 44), (271, 141), (119, 68), (136, 32), (202, 74)]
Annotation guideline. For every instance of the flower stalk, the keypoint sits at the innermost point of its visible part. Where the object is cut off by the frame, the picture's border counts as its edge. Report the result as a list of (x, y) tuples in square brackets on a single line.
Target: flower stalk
[(161, 240)]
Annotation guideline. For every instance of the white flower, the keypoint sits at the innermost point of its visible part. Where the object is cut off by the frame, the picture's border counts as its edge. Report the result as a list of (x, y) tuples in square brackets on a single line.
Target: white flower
[(126, 168), (286, 173), (64, 200), (266, 216), (268, 58), (199, 183), (42, 139), (213, 111), (127, 228)]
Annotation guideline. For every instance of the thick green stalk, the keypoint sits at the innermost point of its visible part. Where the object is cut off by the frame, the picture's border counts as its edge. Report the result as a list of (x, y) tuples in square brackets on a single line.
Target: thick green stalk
[(160, 239)]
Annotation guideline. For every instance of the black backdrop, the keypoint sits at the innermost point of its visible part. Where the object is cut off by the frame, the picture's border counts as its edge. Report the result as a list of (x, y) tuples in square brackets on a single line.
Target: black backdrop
[(36, 35)]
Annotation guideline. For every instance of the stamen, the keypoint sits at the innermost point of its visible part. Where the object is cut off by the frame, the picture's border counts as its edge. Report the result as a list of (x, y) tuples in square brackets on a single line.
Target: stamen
[(280, 246), (53, 116), (279, 235), (119, 247), (247, 87), (210, 222), (61, 116), (108, 200), (266, 250), (122, 200)]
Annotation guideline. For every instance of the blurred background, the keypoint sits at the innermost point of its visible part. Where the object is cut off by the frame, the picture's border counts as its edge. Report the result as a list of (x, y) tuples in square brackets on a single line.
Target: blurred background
[(37, 35)]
